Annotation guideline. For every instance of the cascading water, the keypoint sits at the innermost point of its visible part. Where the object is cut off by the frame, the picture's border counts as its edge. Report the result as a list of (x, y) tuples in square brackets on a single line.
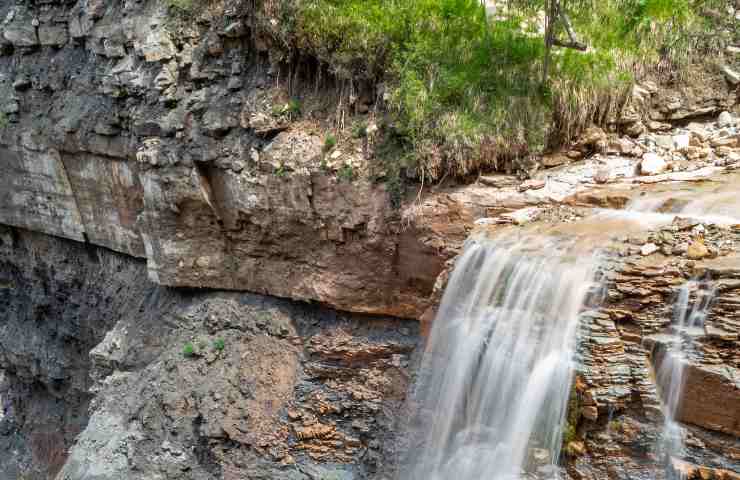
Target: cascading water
[(688, 321), (494, 385)]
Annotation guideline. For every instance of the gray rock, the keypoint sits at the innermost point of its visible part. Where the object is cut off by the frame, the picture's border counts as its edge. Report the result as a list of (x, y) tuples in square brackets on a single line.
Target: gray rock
[(53, 35), (731, 75), (664, 141), (217, 122), (725, 119), (21, 34)]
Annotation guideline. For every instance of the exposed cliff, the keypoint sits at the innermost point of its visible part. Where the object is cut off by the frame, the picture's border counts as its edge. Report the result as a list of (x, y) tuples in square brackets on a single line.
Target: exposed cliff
[(121, 378)]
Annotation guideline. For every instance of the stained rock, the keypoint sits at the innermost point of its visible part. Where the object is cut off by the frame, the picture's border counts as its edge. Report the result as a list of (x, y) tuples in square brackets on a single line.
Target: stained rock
[(697, 250)]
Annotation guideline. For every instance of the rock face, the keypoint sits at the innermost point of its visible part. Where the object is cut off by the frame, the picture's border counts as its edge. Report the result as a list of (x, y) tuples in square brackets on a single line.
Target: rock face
[(109, 140), (115, 377), (617, 399)]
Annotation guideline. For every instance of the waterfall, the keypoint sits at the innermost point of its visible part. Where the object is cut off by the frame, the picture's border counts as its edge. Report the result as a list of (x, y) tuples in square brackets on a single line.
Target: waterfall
[(492, 393), (688, 321)]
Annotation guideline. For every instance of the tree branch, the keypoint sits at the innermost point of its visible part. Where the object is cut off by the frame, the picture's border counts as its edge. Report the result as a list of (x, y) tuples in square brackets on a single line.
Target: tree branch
[(574, 45)]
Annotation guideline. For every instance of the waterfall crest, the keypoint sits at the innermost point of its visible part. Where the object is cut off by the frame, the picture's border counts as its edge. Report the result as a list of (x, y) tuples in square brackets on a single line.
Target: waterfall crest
[(493, 389)]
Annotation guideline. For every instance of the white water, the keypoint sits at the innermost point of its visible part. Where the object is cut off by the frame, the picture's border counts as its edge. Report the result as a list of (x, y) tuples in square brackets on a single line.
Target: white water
[(493, 389), (688, 321), (722, 208)]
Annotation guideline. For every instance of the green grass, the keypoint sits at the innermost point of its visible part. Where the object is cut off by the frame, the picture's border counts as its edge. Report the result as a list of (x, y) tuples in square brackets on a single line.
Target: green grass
[(465, 91)]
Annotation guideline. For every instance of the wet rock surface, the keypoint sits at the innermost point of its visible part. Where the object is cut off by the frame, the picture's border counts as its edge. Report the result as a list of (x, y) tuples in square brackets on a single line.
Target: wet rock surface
[(623, 343)]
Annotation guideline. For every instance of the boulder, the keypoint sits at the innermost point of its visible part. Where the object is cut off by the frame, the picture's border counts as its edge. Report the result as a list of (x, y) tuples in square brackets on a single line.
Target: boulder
[(681, 142), (664, 141), (652, 164), (648, 249), (602, 175), (593, 138), (554, 160), (725, 119), (731, 75), (697, 250), (21, 34), (53, 35)]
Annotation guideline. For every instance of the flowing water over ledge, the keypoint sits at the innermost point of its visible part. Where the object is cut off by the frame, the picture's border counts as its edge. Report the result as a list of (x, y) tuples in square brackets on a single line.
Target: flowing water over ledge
[(494, 385), (688, 321)]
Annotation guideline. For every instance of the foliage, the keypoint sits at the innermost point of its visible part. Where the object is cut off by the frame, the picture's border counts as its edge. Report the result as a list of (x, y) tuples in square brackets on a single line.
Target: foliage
[(465, 89), (182, 6), (3, 120), (359, 130), (346, 173), (219, 344), (291, 109), (330, 142), (188, 350), (281, 171)]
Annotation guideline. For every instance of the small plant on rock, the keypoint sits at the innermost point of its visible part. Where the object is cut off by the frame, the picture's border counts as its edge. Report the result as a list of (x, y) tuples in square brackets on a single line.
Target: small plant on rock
[(281, 171), (359, 130), (346, 172), (188, 350), (330, 142), (219, 345), (294, 108), (3, 120)]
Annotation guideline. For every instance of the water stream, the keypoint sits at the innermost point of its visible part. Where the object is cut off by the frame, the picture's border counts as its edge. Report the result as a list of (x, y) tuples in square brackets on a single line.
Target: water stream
[(493, 389), (688, 322)]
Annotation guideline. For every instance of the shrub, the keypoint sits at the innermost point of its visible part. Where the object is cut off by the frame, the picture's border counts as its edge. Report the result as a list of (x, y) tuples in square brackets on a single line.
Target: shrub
[(466, 90), (359, 130), (346, 173), (330, 142), (294, 107)]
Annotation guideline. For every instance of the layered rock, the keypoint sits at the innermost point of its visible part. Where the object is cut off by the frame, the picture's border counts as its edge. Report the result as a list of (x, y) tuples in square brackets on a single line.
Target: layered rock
[(124, 128), (619, 402), (114, 377)]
